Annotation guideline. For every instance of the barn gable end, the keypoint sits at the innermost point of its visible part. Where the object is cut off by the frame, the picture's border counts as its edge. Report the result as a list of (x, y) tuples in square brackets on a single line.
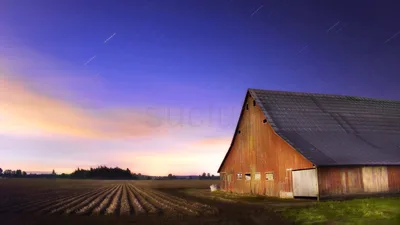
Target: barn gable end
[(256, 150)]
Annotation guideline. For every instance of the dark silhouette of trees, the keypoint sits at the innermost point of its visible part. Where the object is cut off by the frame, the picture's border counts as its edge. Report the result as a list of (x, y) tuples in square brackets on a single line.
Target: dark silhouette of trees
[(18, 173), (171, 177), (13, 173), (208, 177), (102, 172), (7, 173)]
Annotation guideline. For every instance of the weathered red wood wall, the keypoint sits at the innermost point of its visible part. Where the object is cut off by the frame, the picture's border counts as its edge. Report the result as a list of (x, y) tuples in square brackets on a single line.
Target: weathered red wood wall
[(394, 178), (339, 181), (258, 149)]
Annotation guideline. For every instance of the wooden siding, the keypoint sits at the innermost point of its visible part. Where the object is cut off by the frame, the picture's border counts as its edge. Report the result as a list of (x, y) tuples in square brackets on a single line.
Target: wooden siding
[(394, 178), (335, 181), (375, 179), (257, 148)]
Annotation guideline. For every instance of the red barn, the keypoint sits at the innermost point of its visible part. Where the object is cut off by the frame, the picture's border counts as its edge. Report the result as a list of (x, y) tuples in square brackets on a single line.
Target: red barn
[(289, 144)]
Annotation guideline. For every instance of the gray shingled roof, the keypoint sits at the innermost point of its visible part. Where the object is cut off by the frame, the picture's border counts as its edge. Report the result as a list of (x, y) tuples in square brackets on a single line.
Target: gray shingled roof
[(334, 129)]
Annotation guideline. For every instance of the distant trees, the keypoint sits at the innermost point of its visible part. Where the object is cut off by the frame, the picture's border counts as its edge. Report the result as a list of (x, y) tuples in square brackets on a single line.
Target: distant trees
[(103, 172), (171, 177), (12, 173), (63, 175), (208, 177)]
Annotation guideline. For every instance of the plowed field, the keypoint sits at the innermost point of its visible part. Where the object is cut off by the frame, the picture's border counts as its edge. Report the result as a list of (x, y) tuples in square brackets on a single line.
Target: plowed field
[(55, 201), (114, 199)]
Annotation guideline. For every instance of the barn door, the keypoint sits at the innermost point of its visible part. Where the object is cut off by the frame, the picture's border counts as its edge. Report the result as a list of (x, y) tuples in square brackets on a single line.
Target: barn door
[(305, 183)]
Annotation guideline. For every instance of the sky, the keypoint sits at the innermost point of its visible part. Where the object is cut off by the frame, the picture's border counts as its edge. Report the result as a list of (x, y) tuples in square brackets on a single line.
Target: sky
[(157, 86)]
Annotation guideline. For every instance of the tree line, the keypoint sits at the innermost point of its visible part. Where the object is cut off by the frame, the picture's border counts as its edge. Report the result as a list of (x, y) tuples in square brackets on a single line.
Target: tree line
[(19, 173), (104, 172)]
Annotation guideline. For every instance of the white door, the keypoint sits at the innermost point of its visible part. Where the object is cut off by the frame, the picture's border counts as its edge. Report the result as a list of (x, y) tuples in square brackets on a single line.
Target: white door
[(305, 183)]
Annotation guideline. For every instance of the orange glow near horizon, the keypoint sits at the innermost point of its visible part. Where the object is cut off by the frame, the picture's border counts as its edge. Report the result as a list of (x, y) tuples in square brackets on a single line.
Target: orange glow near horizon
[(29, 116)]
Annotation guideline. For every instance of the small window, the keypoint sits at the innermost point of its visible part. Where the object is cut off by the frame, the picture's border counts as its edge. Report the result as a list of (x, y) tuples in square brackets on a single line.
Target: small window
[(254, 103), (247, 106), (248, 176), (257, 176), (269, 176), (265, 121), (239, 176)]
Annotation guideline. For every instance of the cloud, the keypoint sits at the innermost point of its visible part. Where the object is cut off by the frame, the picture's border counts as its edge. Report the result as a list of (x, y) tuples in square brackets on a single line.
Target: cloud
[(214, 141), (25, 111)]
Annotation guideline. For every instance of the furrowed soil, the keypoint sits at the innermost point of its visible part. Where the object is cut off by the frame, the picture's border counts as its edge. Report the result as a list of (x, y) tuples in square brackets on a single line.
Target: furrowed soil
[(63, 201)]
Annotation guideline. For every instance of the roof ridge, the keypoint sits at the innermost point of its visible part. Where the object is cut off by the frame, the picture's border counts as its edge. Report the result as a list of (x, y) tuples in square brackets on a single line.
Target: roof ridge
[(323, 95)]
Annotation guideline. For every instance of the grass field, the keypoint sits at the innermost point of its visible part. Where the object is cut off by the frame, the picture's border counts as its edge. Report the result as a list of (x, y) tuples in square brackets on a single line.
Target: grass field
[(64, 201), (358, 211)]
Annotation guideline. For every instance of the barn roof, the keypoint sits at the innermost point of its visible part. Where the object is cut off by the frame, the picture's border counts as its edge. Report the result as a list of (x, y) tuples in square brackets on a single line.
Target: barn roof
[(333, 129)]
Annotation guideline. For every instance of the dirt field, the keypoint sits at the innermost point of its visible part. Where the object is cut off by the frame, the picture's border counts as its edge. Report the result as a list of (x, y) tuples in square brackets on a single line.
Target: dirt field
[(58, 201)]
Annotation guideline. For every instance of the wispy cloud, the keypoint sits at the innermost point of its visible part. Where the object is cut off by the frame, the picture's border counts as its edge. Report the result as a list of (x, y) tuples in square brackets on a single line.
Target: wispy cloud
[(110, 38), (28, 112), (333, 26), (258, 9), (341, 28), (392, 37), (301, 50), (214, 141), (87, 62)]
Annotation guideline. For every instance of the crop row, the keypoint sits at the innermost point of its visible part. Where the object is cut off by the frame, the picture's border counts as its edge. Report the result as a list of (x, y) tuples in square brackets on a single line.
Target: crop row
[(116, 199)]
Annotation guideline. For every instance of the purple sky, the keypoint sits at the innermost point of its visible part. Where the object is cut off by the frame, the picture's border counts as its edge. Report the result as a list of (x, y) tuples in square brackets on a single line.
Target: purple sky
[(157, 86)]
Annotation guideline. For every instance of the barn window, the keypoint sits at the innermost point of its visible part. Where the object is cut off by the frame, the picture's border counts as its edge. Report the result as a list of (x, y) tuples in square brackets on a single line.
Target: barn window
[(247, 106), (269, 176), (254, 103), (257, 176), (265, 121), (239, 176), (247, 176)]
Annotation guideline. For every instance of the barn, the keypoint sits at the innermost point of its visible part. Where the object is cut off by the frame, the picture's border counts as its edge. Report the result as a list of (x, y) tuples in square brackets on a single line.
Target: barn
[(289, 144)]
